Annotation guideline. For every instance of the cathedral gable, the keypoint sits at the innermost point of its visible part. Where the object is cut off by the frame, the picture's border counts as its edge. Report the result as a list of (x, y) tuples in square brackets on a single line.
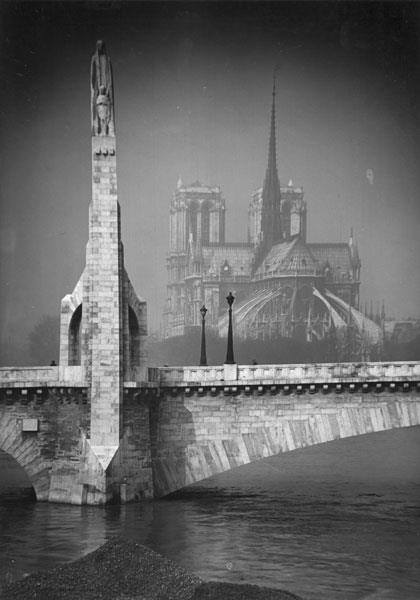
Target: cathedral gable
[(293, 256), (298, 259)]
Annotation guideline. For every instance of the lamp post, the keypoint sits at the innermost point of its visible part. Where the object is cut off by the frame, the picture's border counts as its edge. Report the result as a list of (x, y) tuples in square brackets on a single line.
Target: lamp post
[(229, 354), (203, 357)]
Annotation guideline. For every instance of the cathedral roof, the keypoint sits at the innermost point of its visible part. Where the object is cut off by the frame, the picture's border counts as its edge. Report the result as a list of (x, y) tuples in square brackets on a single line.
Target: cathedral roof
[(336, 255), (236, 256), (291, 256)]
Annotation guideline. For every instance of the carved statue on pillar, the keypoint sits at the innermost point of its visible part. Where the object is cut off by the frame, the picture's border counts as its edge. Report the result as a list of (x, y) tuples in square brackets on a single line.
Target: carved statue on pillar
[(102, 92)]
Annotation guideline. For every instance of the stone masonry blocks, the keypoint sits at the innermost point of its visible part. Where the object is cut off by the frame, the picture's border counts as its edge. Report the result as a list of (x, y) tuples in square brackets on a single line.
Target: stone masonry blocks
[(196, 436)]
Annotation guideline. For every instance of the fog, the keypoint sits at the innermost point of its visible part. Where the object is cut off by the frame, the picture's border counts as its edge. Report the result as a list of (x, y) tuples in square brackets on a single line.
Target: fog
[(192, 99)]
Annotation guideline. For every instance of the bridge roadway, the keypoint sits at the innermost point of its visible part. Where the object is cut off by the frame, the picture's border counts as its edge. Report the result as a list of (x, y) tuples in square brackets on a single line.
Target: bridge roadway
[(187, 423)]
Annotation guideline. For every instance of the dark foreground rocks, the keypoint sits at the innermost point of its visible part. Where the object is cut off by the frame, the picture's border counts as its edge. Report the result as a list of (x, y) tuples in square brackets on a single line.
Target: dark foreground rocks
[(124, 570), (213, 590)]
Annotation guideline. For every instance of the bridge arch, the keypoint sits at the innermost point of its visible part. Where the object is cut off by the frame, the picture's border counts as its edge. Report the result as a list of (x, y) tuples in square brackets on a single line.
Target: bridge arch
[(25, 449), (13, 478), (229, 433)]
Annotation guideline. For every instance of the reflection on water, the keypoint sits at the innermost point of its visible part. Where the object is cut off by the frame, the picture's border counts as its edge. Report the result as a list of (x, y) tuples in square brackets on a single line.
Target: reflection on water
[(338, 522)]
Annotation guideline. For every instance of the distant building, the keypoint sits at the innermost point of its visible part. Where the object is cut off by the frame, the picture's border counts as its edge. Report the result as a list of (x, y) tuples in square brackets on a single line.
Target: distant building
[(283, 285), (403, 331)]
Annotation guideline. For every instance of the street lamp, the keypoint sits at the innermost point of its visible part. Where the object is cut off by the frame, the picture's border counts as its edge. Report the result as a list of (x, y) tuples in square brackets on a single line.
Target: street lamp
[(229, 354), (203, 357)]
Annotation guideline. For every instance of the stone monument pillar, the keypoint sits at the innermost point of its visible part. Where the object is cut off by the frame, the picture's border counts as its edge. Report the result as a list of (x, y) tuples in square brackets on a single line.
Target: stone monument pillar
[(102, 327), (103, 322)]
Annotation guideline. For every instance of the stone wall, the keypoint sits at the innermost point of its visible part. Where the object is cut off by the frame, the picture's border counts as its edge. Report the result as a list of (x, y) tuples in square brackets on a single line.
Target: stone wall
[(130, 472), (47, 431), (41, 428)]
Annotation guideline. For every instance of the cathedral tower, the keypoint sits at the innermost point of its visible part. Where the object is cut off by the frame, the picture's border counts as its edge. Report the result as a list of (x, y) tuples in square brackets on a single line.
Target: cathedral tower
[(197, 221), (197, 216)]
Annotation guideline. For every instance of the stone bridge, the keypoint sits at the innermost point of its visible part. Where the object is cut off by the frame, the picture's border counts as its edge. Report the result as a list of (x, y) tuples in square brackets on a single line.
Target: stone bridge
[(188, 423), (103, 426)]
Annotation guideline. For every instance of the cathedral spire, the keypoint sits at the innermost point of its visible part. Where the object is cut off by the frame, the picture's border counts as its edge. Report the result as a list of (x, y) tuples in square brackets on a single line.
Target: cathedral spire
[(271, 173), (270, 216)]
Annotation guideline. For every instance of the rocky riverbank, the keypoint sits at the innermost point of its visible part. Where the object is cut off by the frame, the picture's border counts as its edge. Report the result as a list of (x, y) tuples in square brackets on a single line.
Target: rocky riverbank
[(124, 570)]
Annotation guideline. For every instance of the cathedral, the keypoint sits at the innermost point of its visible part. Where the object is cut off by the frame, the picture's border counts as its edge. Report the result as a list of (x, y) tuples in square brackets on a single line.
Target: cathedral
[(283, 285)]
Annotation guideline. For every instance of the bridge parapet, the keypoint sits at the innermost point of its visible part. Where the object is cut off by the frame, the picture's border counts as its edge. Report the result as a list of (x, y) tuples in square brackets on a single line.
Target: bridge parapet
[(332, 372), (40, 376), (172, 375), (290, 374)]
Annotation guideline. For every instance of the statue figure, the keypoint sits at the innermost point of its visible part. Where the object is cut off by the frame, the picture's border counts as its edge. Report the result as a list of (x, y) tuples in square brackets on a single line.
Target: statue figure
[(102, 92), (103, 113)]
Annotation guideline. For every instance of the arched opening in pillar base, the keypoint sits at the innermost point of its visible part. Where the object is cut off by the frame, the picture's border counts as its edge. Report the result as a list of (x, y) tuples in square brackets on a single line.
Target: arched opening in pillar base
[(134, 339), (15, 484), (74, 337)]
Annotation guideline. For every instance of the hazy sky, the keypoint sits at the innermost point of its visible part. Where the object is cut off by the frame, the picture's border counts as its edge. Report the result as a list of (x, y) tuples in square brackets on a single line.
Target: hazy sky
[(192, 95)]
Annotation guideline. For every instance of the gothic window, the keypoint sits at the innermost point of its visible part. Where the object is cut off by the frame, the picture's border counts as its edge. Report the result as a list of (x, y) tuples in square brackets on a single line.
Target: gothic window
[(225, 269), (286, 299), (221, 239), (303, 301), (327, 270), (294, 224), (205, 224), (193, 220)]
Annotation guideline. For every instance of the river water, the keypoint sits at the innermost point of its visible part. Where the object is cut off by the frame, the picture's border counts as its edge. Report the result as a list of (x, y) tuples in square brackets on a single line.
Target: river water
[(339, 521)]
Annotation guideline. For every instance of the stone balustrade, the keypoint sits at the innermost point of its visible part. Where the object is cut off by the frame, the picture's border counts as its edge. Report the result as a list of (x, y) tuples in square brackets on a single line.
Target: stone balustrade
[(40, 376), (186, 374), (242, 374), (333, 372), (292, 373)]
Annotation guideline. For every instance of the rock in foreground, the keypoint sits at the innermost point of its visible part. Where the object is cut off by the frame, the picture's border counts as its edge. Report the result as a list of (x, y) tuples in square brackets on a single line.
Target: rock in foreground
[(125, 570), (234, 591), (117, 570)]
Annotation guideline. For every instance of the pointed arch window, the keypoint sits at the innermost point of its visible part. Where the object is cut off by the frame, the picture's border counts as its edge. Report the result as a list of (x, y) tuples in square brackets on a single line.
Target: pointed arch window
[(205, 224), (193, 220)]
